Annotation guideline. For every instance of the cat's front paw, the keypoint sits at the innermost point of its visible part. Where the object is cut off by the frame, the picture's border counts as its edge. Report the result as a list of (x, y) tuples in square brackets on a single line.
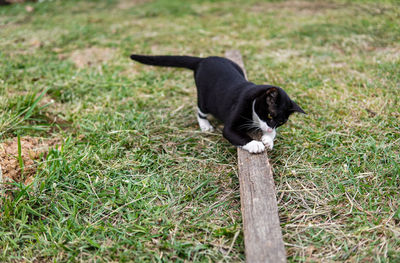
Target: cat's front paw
[(207, 128), (268, 141), (254, 147), (205, 125)]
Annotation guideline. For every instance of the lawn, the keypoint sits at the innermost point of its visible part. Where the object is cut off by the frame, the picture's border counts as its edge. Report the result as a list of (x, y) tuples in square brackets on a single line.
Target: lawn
[(128, 176)]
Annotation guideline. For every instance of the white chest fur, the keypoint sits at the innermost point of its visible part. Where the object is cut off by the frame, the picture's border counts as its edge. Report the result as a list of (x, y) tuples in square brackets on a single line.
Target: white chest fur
[(268, 132)]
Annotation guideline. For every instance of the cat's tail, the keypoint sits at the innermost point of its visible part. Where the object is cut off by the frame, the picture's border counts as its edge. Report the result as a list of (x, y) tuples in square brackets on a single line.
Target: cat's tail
[(169, 61)]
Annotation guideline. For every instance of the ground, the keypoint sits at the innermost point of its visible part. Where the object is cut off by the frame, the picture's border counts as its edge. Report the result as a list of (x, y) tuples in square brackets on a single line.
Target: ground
[(125, 173)]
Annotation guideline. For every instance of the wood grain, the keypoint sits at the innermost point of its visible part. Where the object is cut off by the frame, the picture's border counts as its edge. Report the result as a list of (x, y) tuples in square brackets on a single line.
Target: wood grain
[(262, 231)]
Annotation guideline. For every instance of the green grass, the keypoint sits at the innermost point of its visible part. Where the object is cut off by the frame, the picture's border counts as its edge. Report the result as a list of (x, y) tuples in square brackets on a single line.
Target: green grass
[(135, 180)]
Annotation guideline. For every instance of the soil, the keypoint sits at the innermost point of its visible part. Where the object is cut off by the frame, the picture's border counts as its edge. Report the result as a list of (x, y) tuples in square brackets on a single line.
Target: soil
[(91, 56), (32, 149)]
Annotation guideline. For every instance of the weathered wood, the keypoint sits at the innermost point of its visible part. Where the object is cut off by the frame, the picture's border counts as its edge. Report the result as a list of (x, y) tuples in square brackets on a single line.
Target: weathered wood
[(262, 231), (236, 57)]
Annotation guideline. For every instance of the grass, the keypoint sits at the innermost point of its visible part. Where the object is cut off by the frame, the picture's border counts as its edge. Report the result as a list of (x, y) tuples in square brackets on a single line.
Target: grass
[(135, 180)]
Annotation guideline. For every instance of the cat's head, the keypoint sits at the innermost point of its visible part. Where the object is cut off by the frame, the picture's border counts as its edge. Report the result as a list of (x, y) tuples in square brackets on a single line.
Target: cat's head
[(274, 107)]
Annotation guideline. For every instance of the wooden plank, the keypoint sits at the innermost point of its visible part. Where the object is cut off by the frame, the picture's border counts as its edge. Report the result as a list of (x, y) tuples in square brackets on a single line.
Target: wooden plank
[(262, 231)]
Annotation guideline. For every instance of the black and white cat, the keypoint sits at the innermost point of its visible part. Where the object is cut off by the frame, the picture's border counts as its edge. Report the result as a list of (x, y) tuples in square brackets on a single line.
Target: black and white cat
[(223, 91)]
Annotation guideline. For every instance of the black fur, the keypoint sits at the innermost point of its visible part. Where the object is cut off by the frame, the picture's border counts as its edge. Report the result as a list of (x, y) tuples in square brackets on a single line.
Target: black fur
[(223, 91)]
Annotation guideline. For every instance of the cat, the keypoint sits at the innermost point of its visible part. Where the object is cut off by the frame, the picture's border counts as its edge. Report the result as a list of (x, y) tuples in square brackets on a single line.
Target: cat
[(224, 92)]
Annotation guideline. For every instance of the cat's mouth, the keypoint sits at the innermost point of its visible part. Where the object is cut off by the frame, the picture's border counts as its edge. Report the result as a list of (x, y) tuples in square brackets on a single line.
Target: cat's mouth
[(265, 127)]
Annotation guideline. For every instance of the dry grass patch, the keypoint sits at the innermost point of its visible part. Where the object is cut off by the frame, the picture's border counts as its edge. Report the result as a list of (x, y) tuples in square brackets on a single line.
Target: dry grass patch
[(308, 7), (126, 4), (388, 54), (54, 111)]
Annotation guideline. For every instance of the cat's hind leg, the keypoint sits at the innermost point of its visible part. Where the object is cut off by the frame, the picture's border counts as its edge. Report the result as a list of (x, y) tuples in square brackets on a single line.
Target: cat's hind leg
[(204, 124)]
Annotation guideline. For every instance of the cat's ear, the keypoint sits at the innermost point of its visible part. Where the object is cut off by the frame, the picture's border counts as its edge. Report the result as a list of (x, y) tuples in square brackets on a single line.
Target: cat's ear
[(296, 108), (272, 95)]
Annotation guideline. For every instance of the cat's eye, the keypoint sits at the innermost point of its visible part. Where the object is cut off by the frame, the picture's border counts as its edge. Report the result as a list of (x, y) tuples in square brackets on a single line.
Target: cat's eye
[(269, 116)]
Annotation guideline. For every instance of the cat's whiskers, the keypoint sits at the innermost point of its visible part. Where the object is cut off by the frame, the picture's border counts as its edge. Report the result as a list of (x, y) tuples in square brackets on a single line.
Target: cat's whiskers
[(251, 125)]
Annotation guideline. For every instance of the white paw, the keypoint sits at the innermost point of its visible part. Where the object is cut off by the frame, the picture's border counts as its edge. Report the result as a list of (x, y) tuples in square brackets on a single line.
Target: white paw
[(208, 128), (254, 147), (205, 125), (268, 141)]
